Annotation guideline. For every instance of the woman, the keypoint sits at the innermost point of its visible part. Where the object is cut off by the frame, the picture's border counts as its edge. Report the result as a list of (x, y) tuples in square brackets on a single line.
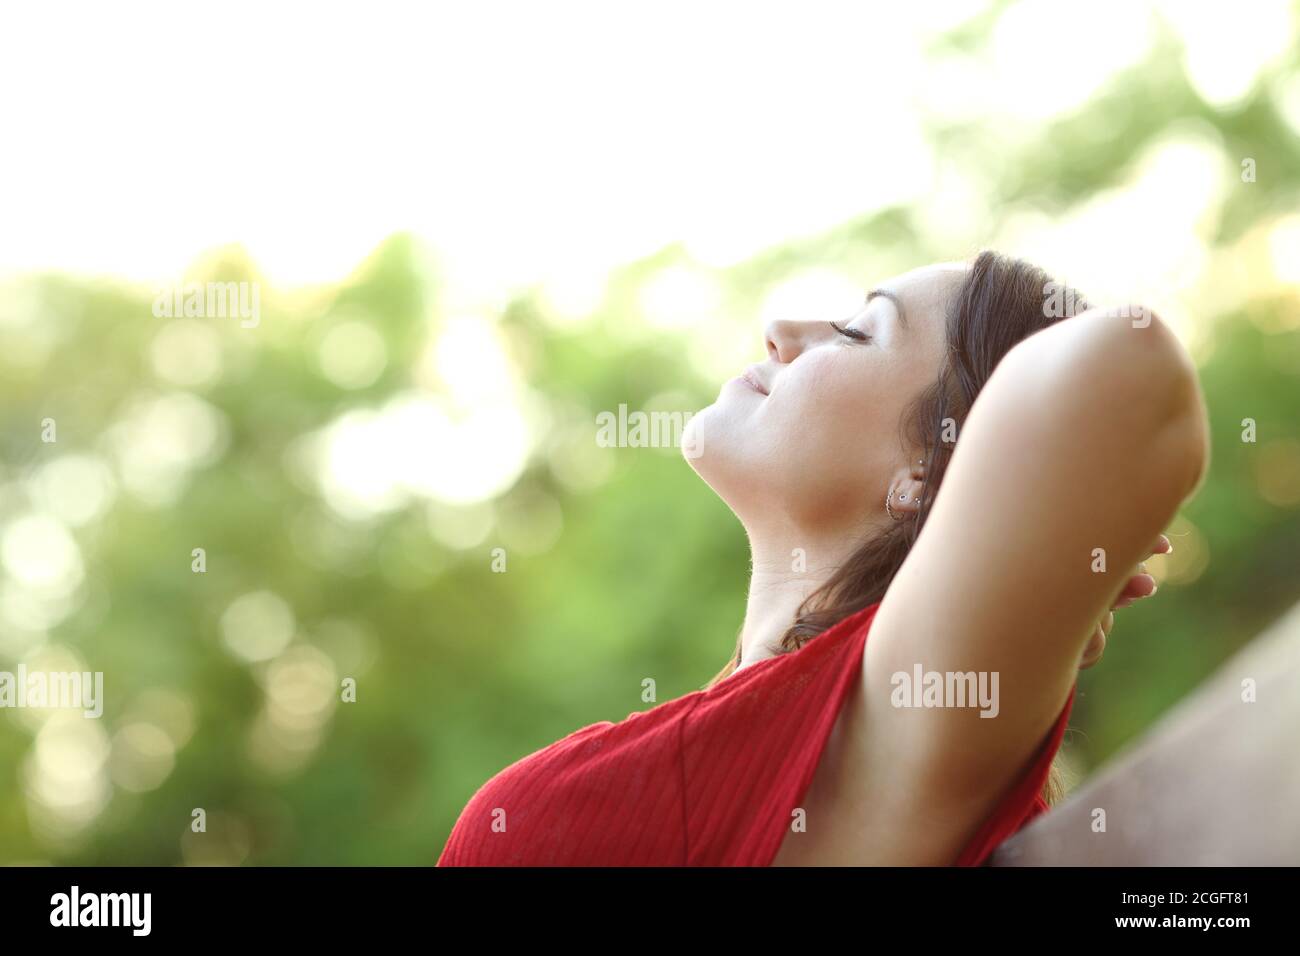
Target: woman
[(907, 661)]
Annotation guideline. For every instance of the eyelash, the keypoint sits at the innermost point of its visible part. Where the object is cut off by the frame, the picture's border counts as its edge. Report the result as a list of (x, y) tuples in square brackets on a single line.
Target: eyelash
[(851, 333)]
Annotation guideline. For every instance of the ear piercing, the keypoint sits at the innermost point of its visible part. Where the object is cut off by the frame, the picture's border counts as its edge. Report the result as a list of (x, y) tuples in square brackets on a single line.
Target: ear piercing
[(889, 509), (889, 499)]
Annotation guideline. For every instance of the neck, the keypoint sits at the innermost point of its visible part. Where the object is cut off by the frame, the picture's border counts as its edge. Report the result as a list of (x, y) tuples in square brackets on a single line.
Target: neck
[(781, 579)]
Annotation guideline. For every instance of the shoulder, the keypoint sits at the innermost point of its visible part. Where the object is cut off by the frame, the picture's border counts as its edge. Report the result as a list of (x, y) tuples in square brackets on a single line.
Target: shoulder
[(828, 649), (751, 745)]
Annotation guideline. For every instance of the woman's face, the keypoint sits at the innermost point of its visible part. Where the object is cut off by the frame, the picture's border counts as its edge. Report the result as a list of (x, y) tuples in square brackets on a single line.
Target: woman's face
[(814, 439)]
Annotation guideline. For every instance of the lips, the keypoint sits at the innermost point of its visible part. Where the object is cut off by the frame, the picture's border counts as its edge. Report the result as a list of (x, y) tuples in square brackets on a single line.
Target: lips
[(756, 383)]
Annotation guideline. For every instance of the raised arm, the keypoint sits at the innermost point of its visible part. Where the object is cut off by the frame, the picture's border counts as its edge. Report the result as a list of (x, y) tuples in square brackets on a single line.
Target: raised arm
[(1084, 443)]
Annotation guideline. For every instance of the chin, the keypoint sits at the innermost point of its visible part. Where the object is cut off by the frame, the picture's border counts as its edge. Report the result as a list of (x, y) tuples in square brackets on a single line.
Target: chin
[(709, 447), (709, 439), (699, 441)]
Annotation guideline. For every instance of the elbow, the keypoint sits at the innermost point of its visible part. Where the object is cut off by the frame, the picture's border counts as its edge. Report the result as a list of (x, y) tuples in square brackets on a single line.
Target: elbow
[(1186, 431), (1152, 371), (1130, 389), (1193, 421)]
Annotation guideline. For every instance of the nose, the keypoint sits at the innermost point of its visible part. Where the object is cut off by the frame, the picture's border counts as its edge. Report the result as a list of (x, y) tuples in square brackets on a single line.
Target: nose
[(788, 338)]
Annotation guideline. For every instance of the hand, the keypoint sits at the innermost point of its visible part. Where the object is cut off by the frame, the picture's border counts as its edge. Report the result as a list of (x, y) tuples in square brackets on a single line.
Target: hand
[(1140, 585)]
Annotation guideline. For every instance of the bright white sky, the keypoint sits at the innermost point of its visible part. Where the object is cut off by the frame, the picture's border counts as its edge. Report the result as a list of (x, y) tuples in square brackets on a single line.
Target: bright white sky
[(517, 136), (523, 140)]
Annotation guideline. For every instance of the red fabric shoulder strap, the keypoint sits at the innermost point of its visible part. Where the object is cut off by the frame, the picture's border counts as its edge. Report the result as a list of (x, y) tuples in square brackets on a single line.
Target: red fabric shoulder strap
[(751, 744)]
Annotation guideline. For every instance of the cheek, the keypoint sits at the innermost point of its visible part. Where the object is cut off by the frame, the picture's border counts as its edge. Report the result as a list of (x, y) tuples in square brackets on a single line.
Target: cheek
[(817, 447), (825, 429), (836, 406)]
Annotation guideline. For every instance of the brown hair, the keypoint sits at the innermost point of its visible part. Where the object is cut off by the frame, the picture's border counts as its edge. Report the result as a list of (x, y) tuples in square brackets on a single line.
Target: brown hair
[(1000, 302)]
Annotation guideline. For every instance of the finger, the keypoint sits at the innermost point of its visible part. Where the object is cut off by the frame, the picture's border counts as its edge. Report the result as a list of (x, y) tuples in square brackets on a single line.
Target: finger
[(1107, 623), (1139, 586), (1095, 648), (1142, 584)]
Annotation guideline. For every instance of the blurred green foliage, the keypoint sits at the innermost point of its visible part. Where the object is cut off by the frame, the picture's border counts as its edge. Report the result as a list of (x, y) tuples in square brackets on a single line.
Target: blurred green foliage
[(461, 670)]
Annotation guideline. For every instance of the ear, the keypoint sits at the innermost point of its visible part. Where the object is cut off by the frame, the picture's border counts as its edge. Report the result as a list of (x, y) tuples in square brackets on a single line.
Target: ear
[(906, 486)]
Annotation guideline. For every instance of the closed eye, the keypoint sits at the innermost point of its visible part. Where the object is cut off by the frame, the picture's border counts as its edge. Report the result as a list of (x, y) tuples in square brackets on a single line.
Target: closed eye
[(851, 333)]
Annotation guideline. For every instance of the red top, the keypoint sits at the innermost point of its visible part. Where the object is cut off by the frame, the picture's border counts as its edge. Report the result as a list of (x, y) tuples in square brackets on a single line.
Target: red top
[(708, 779)]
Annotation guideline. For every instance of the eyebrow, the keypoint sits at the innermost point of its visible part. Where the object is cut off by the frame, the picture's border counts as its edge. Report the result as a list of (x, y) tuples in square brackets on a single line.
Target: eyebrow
[(885, 294)]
